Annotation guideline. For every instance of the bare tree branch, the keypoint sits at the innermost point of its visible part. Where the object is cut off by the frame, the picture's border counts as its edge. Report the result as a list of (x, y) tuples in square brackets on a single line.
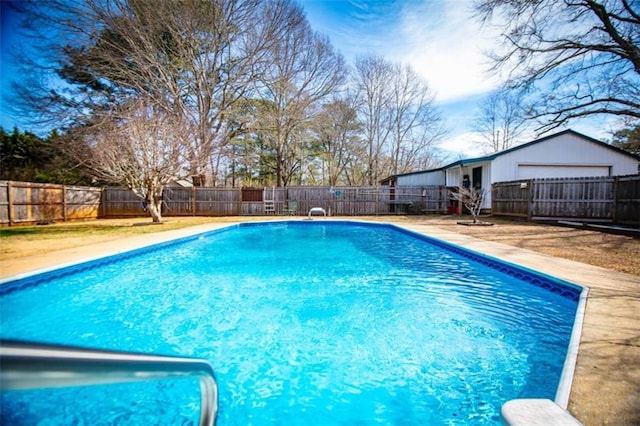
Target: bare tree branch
[(501, 121), (399, 120), (561, 53), (142, 148)]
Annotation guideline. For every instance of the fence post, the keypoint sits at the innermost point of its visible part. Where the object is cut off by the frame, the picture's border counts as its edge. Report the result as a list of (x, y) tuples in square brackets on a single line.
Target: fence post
[(10, 202), (64, 203), (194, 204), (531, 192), (614, 216), (103, 202)]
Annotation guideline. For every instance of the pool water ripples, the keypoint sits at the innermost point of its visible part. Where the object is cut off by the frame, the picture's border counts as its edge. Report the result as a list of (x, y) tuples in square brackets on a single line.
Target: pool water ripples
[(306, 323)]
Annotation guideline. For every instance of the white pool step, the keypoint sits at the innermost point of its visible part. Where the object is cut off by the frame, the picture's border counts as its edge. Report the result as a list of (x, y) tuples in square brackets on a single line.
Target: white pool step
[(536, 412)]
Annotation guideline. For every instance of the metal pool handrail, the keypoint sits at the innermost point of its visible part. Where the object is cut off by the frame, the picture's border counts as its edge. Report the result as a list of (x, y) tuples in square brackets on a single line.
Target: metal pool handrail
[(25, 365)]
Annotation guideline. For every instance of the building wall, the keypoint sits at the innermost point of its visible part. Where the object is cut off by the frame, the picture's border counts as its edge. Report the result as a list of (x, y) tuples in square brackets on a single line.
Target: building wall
[(454, 176), (533, 171), (486, 180), (427, 178), (566, 155)]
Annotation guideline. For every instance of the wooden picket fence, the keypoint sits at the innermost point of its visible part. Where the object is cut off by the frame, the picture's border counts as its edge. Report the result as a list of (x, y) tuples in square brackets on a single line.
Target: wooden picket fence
[(595, 199)]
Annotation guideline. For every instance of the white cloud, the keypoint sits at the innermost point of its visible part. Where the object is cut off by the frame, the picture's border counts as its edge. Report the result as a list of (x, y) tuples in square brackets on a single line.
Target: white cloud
[(463, 145), (444, 43), (441, 40)]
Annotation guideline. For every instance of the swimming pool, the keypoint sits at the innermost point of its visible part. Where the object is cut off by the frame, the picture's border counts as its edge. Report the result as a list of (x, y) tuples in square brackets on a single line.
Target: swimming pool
[(305, 322)]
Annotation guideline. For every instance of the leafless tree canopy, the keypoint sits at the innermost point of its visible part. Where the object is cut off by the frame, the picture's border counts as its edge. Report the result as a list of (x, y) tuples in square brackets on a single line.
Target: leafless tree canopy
[(336, 133), (196, 59), (250, 84), (143, 148), (303, 70), (400, 123), (573, 58), (501, 121), (416, 124)]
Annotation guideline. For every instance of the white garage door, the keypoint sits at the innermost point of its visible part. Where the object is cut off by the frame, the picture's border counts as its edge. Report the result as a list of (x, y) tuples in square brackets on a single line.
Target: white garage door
[(527, 171)]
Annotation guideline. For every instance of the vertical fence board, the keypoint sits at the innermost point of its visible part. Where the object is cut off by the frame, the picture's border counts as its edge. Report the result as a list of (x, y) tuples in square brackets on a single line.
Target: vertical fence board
[(512, 198), (576, 198), (627, 207), (605, 199), (122, 202), (5, 202), (26, 202)]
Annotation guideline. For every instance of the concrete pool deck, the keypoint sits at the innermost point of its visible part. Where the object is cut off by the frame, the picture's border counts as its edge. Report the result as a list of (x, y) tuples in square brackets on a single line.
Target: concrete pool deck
[(606, 384)]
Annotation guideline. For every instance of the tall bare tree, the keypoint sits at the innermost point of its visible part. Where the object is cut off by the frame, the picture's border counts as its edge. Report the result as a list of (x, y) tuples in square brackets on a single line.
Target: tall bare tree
[(304, 69), (574, 58), (194, 58), (372, 77), (501, 120), (415, 122), (399, 120), (336, 131), (142, 148)]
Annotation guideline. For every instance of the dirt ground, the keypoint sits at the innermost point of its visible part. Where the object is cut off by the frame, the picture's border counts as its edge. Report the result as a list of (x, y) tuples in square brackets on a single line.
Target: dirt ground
[(615, 252)]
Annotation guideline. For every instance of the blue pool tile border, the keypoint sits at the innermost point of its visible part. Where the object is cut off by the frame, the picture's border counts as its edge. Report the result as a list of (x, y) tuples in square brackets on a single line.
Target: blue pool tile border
[(538, 279), (554, 285), (535, 278)]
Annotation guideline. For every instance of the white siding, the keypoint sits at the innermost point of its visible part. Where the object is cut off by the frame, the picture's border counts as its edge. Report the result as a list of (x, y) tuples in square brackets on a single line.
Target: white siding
[(434, 177), (486, 180), (562, 154), (454, 176), (566, 154), (530, 171)]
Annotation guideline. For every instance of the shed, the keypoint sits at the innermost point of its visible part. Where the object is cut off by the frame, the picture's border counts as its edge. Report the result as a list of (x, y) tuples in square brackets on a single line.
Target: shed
[(564, 154)]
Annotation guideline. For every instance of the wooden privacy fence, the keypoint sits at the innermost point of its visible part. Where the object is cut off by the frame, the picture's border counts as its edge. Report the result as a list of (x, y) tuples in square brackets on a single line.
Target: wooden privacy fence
[(23, 202), (599, 199), (337, 200), (604, 199)]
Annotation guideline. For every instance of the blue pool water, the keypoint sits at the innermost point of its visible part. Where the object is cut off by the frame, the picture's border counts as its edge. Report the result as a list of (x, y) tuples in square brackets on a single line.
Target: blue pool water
[(307, 322)]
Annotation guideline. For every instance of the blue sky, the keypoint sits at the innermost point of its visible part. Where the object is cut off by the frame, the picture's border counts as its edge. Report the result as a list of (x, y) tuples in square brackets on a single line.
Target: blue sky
[(440, 39), (10, 46), (7, 31)]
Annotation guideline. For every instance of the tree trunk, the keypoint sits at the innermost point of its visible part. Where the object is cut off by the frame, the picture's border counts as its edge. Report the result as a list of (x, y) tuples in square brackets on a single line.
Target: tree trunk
[(155, 209), (154, 204)]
